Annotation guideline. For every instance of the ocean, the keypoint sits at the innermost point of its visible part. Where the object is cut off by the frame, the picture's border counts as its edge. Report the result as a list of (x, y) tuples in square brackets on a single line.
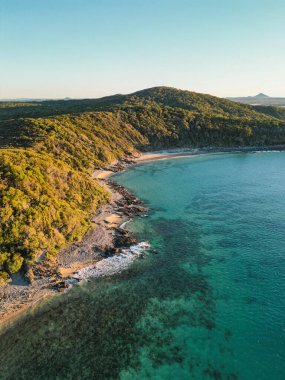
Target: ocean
[(209, 304)]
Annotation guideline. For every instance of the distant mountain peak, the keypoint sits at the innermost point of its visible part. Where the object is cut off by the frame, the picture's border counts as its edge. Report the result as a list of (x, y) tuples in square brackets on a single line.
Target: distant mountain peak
[(261, 96)]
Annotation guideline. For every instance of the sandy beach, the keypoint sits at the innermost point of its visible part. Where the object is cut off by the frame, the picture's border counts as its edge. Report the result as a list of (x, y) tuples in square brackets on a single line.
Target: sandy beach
[(176, 153), (18, 295), (152, 156)]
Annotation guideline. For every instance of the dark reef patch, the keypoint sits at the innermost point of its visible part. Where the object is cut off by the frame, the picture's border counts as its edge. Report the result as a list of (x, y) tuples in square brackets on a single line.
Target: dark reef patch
[(141, 307)]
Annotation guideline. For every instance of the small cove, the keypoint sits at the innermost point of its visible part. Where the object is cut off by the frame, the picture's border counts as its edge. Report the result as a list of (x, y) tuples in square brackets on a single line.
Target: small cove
[(208, 305)]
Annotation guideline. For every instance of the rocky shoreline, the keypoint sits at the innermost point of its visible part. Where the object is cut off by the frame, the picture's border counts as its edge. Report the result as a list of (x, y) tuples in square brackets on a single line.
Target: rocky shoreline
[(117, 240), (101, 250), (108, 239)]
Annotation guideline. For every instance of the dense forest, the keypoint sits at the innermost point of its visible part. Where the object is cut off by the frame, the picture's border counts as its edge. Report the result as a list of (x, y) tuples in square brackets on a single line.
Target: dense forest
[(49, 150)]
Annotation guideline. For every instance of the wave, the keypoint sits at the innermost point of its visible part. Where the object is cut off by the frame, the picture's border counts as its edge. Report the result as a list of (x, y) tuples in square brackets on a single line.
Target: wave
[(114, 264)]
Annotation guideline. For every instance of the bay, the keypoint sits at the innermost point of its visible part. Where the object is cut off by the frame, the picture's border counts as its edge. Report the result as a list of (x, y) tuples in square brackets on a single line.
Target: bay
[(209, 305)]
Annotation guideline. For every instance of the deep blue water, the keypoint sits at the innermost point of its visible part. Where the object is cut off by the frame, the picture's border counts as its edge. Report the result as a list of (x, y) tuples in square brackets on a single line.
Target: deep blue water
[(209, 305)]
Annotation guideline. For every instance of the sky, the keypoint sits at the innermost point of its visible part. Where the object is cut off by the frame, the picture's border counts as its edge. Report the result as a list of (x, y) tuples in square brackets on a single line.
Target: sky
[(93, 48)]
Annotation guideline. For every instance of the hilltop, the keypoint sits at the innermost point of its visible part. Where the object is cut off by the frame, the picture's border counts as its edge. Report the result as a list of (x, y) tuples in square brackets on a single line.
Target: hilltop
[(261, 96), (260, 99), (49, 150)]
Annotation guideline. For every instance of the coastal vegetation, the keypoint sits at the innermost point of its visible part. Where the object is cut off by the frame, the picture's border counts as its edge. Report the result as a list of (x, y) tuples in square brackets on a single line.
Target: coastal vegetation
[(49, 150)]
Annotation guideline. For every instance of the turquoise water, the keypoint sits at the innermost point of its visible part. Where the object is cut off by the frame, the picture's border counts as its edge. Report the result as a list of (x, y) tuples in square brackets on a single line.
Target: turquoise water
[(209, 305)]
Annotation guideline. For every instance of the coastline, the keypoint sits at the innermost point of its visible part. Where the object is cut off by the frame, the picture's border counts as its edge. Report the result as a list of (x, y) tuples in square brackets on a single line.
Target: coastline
[(183, 152), (107, 239)]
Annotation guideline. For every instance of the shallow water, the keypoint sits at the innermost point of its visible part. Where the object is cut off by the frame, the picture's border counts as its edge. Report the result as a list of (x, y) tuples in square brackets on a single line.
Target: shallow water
[(209, 305)]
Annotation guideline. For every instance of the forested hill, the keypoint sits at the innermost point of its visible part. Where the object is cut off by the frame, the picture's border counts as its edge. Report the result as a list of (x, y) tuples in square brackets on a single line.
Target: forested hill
[(49, 150), (166, 115)]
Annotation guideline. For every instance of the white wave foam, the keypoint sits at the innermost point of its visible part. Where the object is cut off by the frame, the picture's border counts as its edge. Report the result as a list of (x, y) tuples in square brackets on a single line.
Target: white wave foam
[(123, 225), (113, 264), (267, 151)]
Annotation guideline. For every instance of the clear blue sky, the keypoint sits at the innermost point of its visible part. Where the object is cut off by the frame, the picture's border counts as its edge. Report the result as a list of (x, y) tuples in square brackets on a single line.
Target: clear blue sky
[(92, 48)]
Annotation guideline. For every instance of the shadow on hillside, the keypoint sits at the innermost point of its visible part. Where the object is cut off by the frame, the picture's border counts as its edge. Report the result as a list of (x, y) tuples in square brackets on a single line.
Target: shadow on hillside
[(18, 279)]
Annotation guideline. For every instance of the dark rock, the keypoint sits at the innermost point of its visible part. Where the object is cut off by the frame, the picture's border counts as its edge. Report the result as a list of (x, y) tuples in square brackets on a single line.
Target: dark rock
[(30, 276), (120, 231), (61, 285)]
